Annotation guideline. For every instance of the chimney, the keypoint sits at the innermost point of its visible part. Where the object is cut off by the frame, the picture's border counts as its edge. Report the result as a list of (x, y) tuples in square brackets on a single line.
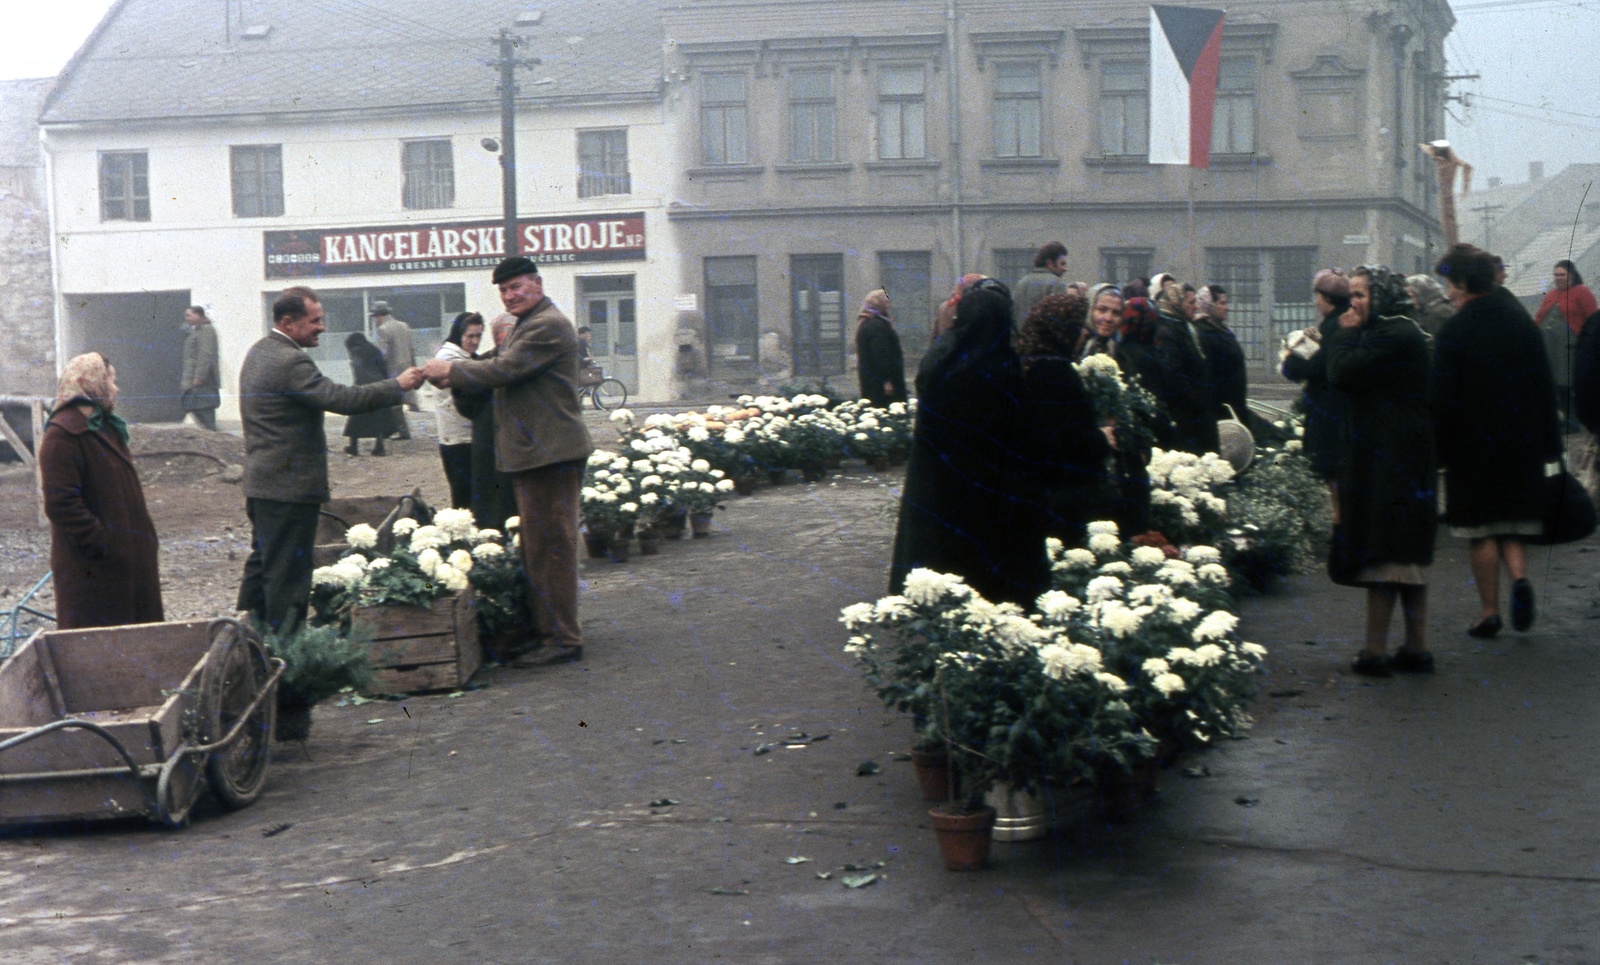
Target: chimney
[(1495, 182), (1535, 171)]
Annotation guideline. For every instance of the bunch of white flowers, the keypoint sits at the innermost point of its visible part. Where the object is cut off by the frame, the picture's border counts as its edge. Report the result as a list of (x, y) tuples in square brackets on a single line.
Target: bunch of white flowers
[(361, 536)]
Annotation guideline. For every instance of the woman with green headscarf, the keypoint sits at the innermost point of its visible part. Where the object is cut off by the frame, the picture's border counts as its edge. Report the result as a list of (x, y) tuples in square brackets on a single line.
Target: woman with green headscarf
[(103, 544)]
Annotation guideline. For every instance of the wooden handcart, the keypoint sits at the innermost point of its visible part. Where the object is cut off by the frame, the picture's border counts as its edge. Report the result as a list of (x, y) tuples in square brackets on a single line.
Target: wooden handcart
[(135, 721)]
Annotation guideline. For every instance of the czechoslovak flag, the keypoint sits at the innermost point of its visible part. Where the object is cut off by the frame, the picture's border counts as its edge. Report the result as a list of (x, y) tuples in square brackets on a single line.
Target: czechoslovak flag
[(1185, 51)]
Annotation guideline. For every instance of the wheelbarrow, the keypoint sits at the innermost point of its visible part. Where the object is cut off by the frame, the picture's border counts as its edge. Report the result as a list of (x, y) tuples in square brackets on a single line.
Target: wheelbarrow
[(132, 721)]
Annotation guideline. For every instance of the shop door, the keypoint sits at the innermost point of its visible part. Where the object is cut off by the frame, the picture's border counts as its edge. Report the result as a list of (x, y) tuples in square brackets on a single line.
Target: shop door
[(609, 309), (817, 286)]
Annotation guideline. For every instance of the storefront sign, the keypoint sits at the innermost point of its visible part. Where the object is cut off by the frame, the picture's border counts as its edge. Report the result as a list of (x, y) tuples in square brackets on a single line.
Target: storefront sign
[(458, 246)]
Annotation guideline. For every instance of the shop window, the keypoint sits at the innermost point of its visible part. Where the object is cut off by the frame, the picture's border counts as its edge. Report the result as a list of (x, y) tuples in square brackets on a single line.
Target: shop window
[(734, 329), (257, 180), (125, 186)]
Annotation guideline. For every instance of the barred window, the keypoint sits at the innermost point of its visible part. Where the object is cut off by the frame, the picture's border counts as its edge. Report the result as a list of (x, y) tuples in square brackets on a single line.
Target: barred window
[(811, 116), (603, 163), (430, 174), (1124, 109), (125, 186), (257, 180)]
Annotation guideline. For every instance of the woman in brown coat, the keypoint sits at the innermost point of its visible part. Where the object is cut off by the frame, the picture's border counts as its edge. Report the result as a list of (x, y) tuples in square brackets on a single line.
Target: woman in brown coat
[(103, 546)]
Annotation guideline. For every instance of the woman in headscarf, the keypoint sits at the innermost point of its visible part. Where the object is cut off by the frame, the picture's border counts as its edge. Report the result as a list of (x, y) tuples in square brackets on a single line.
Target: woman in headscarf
[(104, 552), (1388, 508), (1229, 383), (960, 511), (880, 365), (946, 315), (455, 429), (1324, 406), (1433, 309), (1566, 306), (1494, 415), (1064, 448), (367, 365), (1184, 385), (1105, 317)]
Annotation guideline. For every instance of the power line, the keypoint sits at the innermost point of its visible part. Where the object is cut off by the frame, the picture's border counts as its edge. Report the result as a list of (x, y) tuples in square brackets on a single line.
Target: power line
[(1532, 117), (1536, 107)]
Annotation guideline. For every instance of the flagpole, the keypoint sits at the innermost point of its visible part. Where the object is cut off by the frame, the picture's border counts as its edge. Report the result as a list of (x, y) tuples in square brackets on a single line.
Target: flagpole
[(1194, 259)]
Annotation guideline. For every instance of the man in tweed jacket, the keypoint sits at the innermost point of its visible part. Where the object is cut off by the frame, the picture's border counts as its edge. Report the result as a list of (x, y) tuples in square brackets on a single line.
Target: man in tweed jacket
[(282, 397), (541, 441)]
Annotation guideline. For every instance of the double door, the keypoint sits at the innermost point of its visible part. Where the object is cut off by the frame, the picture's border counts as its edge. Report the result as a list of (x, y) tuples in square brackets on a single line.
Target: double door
[(609, 308)]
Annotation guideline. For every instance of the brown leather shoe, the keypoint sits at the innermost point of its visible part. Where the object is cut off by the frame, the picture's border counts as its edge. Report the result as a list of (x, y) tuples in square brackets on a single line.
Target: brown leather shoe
[(548, 656)]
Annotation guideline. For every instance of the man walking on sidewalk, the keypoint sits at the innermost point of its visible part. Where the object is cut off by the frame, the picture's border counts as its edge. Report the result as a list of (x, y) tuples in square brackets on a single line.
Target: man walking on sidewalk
[(394, 341), (201, 383), (540, 439), (282, 397)]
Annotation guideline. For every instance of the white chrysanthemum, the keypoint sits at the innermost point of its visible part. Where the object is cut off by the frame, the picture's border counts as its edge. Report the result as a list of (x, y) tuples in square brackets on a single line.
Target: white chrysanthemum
[(700, 465), (513, 522), (1054, 547), (1293, 445), (1214, 573), (1201, 555), (892, 608), (857, 645), (1104, 544), (1182, 611), (428, 537), (361, 536), (1216, 626), (405, 527), (1117, 568), (1103, 588), (1063, 660), (622, 486), (732, 436), (1104, 526), (718, 474), (622, 417), (456, 523), (1254, 649), (600, 457), (1183, 655), (589, 494), (1176, 572), (643, 465), (1209, 655), (1019, 633), (1057, 605), (1147, 556), (1101, 364), (925, 587), (429, 560), (1152, 594), (486, 535), (629, 507), (1168, 684), (461, 560), (450, 578), (706, 487), (621, 464), (1155, 666), (1119, 621), (381, 563), (325, 576), (698, 434), (857, 615), (488, 551), (1078, 559), (649, 499), (1113, 683), (724, 486)]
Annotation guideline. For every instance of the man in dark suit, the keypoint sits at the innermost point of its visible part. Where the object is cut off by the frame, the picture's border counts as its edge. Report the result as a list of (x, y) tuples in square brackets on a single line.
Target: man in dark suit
[(540, 439), (282, 397)]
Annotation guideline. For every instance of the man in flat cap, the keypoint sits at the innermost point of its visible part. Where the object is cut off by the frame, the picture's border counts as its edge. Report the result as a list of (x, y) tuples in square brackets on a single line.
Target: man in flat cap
[(541, 441)]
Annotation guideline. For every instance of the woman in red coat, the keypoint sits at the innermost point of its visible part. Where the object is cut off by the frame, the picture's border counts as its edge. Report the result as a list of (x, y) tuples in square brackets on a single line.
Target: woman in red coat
[(1560, 316), (103, 545)]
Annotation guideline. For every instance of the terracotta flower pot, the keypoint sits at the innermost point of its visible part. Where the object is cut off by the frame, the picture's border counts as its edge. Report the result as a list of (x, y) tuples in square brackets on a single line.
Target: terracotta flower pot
[(778, 476), (649, 545), (964, 836), (1121, 792), (933, 774), (672, 527)]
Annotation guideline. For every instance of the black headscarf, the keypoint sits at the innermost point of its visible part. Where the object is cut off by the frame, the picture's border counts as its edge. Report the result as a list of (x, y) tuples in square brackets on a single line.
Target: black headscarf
[(1389, 296)]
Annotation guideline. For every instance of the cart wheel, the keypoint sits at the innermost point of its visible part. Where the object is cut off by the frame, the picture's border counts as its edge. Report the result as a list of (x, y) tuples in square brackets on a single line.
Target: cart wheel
[(236, 667), (610, 394), (177, 789)]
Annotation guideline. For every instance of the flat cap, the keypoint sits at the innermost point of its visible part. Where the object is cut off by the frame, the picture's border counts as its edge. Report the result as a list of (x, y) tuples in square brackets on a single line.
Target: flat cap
[(513, 268)]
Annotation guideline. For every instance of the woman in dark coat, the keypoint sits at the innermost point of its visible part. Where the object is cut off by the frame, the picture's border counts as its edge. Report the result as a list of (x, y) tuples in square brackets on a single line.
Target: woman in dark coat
[(1228, 381), (1494, 408), (1324, 405), (960, 511), (1388, 510), (366, 366), (1064, 448), (103, 546), (880, 364), (494, 498), (1184, 385)]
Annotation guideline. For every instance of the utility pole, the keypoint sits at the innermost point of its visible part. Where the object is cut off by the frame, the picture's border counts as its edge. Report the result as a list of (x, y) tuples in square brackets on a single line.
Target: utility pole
[(508, 62), (1488, 211)]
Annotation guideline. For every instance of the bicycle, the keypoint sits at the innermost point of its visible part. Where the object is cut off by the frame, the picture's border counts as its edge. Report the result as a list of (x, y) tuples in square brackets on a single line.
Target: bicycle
[(604, 394)]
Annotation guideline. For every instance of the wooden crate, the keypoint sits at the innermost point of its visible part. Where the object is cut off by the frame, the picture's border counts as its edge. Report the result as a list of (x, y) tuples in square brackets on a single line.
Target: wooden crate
[(416, 648)]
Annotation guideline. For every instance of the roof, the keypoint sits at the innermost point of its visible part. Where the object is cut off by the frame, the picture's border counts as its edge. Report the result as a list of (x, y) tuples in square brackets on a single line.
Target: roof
[(19, 128), (1520, 213), (1528, 271), (179, 59)]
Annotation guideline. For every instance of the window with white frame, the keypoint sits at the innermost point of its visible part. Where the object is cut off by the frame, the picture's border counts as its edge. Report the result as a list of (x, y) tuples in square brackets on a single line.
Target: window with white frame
[(125, 186), (811, 117), (257, 171), (603, 163), (723, 116), (902, 114), (1018, 113), (1124, 108), (430, 174), (1233, 127)]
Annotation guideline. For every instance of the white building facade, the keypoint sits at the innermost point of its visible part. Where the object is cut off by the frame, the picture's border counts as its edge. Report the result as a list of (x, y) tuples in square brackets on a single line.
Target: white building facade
[(360, 194)]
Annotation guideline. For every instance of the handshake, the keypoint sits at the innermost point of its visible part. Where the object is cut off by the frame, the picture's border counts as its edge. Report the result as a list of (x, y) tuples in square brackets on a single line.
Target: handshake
[(436, 371)]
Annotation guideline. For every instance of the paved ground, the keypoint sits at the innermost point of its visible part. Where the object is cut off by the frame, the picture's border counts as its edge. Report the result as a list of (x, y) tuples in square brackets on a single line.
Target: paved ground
[(1442, 820)]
